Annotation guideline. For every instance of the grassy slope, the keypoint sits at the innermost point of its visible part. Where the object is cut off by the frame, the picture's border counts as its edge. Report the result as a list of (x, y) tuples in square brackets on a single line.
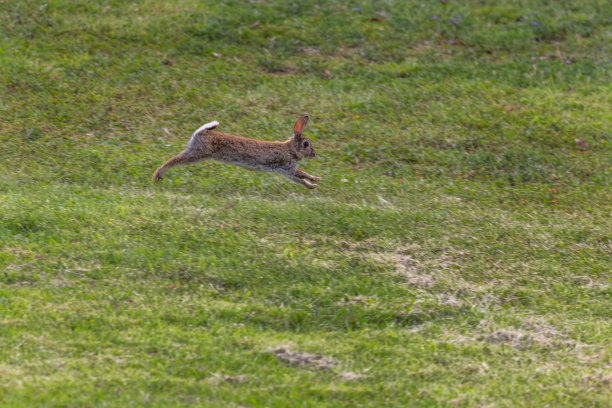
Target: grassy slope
[(457, 252)]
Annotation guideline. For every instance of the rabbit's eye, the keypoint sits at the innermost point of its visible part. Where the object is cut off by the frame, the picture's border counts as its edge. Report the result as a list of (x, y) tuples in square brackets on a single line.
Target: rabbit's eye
[(306, 144)]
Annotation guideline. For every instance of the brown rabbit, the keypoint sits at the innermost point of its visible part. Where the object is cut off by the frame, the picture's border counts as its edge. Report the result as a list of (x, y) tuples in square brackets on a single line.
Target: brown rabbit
[(279, 157)]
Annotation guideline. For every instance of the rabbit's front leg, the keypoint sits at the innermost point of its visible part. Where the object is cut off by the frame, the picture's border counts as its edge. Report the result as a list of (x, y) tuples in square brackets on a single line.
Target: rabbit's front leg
[(298, 180), (303, 175)]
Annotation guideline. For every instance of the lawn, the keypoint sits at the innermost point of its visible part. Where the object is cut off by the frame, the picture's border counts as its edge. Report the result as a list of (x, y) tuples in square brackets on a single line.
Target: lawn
[(458, 251)]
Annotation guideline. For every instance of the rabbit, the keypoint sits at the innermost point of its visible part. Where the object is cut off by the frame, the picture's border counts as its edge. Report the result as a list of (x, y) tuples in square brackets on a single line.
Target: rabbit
[(279, 157)]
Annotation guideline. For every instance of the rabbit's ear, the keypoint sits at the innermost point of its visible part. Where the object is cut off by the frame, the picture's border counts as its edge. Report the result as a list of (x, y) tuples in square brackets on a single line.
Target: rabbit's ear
[(300, 125)]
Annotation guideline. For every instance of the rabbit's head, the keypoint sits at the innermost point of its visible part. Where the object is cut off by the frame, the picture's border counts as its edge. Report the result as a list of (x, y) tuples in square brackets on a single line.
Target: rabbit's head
[(299, 144)]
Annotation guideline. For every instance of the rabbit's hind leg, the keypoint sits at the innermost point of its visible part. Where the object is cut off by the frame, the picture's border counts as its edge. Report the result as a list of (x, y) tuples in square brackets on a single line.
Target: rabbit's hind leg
[(182, 158), (303, 175)]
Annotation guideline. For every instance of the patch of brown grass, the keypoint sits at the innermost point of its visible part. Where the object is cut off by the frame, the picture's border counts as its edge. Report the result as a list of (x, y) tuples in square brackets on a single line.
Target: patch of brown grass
[(303, 359)]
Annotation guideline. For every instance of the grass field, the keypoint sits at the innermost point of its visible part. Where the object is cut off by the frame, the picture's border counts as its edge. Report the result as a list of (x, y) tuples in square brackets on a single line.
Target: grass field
[(457, 252)]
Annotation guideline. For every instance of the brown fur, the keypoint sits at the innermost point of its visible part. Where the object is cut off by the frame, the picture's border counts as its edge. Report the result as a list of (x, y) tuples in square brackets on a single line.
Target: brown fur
[(279, 157)]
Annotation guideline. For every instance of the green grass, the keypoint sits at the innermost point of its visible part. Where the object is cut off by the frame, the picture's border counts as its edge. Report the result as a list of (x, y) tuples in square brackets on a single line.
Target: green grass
[(457, 253)]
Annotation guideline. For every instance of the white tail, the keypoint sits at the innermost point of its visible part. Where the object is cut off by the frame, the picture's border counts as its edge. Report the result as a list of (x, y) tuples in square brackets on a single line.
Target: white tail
[(209, 125)]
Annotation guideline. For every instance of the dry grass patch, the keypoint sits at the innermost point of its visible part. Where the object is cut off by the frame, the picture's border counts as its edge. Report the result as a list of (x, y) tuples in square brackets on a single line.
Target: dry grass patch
[(303, 359), (530, 333), (350, 376), (232, 379), (600, 378), (408, 267)]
